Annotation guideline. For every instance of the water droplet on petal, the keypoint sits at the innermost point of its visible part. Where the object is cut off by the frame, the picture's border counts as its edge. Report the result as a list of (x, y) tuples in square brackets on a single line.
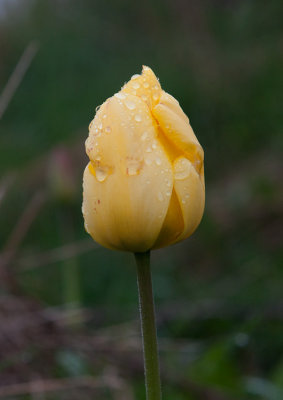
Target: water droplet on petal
[(158, 161), (100, 125), (101, 174), (160, 196), (168, 193), (184, 201), (104, 116), (148, 150), (120, 96), (146, 84), (107, 129), (147, 182), (135, 76), (143, 97), (133, 167), (187, 195), (182, 168), (155, 96), (138, 117), (154, 145), (130, 104), (148, 161), (136, 85), (97, 157), (144, 136)]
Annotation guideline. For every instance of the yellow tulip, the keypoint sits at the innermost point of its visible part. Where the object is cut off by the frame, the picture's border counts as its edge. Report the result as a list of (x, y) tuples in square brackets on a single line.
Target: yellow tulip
[(144, 184)]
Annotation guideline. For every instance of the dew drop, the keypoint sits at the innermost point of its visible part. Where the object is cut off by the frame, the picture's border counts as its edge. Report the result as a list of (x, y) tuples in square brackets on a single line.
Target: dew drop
[(107, 129), (120, 96), (144, 136), (147, 182), (160, 196), (158, 161), (146, 84), (136, 85), (100, 125), (135, 77), (104, 116), (148, 161), (143, 97), (148, 150), (130, 104), (155, 96), (97, 157), (97, 108), (182, 168), (168, 193), (184, 201), (138, 117), (154, 145), (101, 174), (187, 195), (133, 167)]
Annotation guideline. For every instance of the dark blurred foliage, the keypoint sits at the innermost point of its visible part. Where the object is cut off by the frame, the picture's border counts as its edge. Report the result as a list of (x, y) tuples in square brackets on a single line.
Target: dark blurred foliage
[(68, 308)]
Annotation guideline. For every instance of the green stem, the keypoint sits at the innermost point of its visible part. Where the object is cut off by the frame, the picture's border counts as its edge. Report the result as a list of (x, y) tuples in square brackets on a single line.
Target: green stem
[(148, 327)]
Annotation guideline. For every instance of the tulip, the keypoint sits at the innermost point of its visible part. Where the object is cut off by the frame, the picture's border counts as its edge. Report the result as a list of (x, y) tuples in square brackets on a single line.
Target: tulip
[(144, 184), (143, 187)]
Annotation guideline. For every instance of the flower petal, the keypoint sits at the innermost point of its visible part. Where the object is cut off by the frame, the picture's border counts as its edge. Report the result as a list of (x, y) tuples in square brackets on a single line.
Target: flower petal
[(191, 195), (146, 86), (125, 201), (176, 127), (173, 225)]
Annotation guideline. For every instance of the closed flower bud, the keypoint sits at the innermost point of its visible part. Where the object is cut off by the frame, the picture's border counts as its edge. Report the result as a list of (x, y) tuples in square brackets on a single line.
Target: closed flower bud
[(144, 184)]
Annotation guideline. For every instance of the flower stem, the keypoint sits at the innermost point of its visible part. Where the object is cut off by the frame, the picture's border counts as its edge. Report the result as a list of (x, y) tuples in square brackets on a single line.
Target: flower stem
[(148, 327)]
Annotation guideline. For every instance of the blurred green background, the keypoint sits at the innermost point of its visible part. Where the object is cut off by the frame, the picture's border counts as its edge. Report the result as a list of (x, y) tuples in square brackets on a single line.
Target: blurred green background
[(69, 325)]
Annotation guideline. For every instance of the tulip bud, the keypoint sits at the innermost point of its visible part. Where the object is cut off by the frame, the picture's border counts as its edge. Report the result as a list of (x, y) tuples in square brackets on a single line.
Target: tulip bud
[(144, 184)]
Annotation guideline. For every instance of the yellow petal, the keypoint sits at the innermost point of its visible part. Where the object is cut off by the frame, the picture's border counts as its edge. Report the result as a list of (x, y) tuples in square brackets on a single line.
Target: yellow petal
[(173, 225), (191, 195), (176, 127), (145, 86), (125, 185)]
